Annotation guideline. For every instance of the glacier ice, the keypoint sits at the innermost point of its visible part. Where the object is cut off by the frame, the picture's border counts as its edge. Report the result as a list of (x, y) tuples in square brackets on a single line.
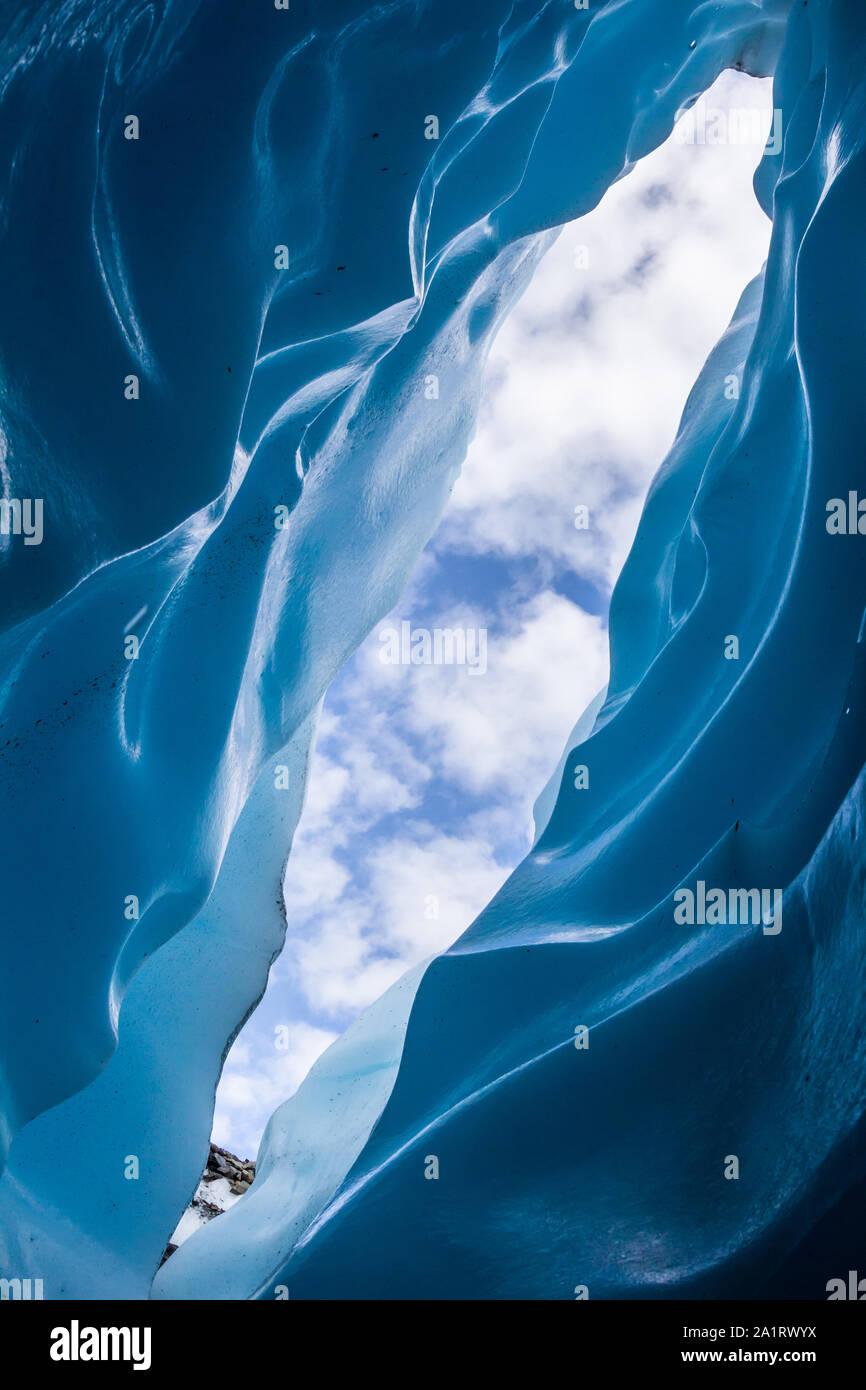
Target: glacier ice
[(253, 504)]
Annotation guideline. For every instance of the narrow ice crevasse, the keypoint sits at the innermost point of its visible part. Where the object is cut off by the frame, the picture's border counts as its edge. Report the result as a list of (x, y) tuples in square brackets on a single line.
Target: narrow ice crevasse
[(156, 942)]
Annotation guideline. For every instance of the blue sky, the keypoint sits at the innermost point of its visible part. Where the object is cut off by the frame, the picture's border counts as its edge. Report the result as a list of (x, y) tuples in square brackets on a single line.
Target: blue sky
[(420, 797)]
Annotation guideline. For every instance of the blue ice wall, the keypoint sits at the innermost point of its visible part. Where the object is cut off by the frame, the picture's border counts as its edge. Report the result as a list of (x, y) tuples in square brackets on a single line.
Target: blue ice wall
[(257, 509)]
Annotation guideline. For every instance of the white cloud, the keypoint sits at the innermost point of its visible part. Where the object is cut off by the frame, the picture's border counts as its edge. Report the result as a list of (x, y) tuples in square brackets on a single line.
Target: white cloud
[(252, 1086), (429, 890), (588, 377), (500, 733), (422, 890), (490, 740)]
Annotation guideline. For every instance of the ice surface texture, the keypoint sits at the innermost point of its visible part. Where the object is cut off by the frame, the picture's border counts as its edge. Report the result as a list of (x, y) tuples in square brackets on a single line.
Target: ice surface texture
[(302, 388)]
